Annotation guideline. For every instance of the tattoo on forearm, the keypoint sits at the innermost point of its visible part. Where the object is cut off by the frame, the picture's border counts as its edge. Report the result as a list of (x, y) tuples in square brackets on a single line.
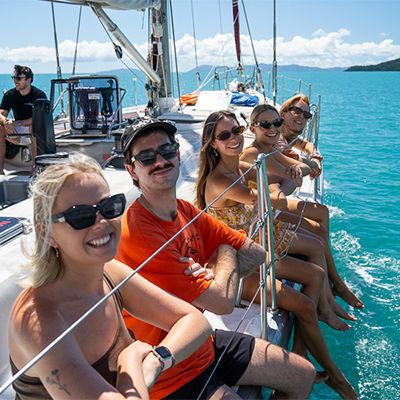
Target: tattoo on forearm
[(54, 379)]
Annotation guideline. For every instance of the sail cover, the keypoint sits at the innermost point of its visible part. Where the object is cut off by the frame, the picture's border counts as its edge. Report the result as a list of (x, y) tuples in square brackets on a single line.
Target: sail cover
[(235, 9), (117, 4)]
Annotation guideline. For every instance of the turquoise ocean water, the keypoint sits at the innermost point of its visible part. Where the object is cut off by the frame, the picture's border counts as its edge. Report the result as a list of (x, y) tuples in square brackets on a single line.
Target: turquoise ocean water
[(360, 141)]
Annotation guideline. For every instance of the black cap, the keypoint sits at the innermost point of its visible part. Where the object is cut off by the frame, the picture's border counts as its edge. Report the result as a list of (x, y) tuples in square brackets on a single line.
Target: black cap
[(142, 125)]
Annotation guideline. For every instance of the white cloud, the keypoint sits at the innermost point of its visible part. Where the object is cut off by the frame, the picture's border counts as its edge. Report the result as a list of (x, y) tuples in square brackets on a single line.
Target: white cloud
[(323, 49), (319, 32)]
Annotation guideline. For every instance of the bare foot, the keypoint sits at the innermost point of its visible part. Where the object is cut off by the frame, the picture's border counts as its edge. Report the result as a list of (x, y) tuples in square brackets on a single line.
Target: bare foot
[(334, 321), (342, 313), (342, 387), (321, 376), (348, 296)]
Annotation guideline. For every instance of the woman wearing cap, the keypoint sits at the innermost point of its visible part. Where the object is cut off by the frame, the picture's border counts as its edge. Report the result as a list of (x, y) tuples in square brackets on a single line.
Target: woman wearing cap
[(73, 269)]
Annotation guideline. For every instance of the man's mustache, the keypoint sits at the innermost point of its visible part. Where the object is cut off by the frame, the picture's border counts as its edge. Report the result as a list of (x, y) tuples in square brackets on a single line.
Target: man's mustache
[(166, 165)]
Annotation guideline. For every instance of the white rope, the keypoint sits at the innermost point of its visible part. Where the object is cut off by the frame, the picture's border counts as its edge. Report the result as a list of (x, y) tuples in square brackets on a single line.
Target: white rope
[(178, 83), (195, 42), (77, 40)]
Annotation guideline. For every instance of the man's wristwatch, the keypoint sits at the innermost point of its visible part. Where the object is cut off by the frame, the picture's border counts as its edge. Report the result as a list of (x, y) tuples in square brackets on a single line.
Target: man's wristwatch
[(165, 357)]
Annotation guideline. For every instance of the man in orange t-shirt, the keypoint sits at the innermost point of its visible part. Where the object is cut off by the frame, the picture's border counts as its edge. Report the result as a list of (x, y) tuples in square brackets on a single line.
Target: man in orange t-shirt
[(202, 266)]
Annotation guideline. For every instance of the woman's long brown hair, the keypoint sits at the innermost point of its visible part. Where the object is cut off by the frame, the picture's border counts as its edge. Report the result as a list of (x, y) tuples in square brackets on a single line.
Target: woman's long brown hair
[(208, 157)]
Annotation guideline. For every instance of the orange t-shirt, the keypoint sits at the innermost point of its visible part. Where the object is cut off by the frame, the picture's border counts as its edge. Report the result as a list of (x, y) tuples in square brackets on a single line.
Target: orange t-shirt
[(142, 234)]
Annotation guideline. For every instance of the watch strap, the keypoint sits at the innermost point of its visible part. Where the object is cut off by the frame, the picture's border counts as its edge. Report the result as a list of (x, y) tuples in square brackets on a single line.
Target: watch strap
[(165, 357)]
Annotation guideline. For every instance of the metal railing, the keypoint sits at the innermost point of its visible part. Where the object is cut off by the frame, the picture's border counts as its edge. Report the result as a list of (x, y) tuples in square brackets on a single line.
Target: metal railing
[(263, 226), (262, 180), (289, 87)]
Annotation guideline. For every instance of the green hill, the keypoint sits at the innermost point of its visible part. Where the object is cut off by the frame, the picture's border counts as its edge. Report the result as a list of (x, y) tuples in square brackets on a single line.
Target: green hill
[(393, 65)]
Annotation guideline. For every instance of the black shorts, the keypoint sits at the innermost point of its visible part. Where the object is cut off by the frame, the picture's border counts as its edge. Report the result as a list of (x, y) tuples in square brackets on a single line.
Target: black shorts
[(230, 369)]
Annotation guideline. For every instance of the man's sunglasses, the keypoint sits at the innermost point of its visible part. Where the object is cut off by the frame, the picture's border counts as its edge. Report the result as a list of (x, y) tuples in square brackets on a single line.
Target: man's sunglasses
[(18, 78), (167, 151), (82, 216), (266, 125), (225, 135), (297, 111)]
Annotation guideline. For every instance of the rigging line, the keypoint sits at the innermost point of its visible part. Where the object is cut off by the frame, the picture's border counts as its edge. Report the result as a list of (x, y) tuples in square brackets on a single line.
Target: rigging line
[(229, 343), (283, 255), (117, 287), (195, 44), (126, 54), (274, 62), (207, 79), (77, 40), (59, 74), (220, 29), (254, 52), (149, 45), (163, 71), (228, 38), (175, 55)]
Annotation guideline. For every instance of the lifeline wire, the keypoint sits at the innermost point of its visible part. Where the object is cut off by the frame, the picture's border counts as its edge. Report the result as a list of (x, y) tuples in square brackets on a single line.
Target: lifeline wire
[(109, 294)]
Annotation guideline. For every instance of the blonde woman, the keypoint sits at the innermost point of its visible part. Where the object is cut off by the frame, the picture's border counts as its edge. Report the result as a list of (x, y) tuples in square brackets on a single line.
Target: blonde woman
[(295, 113), (77, 230)]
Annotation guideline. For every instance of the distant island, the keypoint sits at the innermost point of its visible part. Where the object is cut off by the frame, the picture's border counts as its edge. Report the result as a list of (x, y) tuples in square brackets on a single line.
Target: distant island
[(393, 65), (204, 69)]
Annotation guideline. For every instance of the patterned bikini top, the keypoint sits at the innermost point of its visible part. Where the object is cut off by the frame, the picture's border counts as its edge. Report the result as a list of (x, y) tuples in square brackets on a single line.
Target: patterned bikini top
[(239, 216)]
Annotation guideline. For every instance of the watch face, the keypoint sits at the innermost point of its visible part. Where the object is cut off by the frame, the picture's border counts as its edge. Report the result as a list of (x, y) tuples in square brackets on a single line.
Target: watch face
[(163, 352)]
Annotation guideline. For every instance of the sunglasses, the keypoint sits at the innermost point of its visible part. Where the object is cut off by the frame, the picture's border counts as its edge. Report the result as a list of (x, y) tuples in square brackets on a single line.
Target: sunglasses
[(225, 135), (82, 216), (266, 125), (167, 151), (297, 111), (18, 78)]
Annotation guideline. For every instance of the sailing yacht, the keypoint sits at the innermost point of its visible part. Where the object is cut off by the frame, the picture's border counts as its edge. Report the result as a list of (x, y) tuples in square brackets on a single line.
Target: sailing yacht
[(93, 124)]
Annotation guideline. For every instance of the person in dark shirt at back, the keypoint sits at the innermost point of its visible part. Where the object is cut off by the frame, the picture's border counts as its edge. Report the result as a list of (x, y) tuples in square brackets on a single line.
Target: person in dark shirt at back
[(18, 100)]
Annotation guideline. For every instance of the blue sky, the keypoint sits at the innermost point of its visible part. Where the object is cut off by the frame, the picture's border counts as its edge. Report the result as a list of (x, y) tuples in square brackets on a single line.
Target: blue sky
[(322, 33)]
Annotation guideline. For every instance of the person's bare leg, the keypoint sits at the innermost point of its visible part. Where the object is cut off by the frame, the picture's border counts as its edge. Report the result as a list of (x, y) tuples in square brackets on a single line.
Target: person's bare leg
[(305, 312), (224, 392), (250, 287), (290, 375), (308, 332), (312, 247), (2, 149), (321, 229), (305, 273)]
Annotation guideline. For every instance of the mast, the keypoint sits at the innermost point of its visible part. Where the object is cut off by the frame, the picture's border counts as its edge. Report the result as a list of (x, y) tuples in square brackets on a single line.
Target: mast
[(160, 58), (125, 43)]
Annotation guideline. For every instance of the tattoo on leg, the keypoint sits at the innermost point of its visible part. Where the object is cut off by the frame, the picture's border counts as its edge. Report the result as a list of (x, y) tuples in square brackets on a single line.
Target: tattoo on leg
[(54, 379)]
